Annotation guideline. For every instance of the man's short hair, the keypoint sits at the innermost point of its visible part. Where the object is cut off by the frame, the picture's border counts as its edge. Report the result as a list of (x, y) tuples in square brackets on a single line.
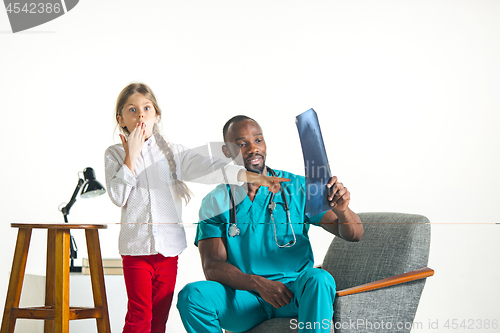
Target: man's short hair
[(235, 119)]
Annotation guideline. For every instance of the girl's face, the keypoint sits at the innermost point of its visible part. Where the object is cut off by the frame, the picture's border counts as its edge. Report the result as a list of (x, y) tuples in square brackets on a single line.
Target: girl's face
[(138, 109)]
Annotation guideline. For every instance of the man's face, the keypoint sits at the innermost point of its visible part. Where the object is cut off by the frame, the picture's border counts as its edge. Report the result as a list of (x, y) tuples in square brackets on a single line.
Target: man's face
[(246, 138)]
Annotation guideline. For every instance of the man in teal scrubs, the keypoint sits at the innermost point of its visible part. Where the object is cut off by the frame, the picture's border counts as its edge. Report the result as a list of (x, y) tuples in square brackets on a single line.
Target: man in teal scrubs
[(261, 265)]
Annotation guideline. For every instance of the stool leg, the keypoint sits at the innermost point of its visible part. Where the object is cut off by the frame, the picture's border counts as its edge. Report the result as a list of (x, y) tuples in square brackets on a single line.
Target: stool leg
[(16, 279), (97, 278), (50, 282), (62, 281)]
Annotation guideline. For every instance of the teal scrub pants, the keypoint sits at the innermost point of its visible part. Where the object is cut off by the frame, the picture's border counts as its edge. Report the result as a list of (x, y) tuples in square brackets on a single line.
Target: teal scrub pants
[(208, 306)]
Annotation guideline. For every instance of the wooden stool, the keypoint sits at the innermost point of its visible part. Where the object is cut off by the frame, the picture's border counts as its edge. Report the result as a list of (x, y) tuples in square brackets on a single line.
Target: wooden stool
[(56, 312)]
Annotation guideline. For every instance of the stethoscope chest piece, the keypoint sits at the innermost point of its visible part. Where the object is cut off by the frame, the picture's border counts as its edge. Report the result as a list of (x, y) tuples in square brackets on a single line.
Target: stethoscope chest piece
[(233, 230)]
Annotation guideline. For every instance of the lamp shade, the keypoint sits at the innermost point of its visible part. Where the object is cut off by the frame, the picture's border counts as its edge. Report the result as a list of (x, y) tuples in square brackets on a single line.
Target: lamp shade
[(91, 188)]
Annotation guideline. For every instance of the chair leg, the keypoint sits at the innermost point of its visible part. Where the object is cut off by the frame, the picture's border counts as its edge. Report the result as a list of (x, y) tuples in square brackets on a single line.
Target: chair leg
[(62, 281), (16, 279), (97, 278), (50, 281)]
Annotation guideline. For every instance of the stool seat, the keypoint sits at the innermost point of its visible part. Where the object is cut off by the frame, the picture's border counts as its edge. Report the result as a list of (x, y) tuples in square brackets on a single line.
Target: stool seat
[(58, 226), (56, 312)]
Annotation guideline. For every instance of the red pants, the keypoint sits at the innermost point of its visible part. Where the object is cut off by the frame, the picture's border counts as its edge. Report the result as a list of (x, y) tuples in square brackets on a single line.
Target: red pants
[(150, 282)]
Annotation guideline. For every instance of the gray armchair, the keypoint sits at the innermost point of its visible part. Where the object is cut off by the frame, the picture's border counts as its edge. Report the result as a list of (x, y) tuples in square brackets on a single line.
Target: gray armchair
[(379, 279)]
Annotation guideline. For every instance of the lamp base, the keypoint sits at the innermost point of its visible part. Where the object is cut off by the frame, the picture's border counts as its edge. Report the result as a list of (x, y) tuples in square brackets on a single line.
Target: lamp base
[(75, 269)]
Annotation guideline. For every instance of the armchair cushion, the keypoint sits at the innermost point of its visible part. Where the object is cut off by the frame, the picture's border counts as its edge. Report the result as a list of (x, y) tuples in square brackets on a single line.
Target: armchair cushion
[(392, 244)]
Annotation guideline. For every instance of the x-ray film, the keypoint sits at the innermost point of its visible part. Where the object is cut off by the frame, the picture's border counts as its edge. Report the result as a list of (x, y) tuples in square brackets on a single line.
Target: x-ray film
[(317, 168)]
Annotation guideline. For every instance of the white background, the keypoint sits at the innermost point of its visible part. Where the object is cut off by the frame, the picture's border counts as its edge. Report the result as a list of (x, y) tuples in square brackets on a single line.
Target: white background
[(407, 93)]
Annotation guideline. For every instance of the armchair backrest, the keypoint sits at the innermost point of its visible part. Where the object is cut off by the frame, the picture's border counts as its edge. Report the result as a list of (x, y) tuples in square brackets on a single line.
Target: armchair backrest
[(393, 243)]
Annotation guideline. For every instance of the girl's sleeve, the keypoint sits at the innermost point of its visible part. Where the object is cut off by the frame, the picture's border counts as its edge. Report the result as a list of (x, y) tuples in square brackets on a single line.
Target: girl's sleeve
[(119, 179), (206, 169)]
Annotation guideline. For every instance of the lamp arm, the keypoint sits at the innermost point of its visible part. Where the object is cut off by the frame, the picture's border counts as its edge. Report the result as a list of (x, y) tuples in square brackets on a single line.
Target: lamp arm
[(65, 209)]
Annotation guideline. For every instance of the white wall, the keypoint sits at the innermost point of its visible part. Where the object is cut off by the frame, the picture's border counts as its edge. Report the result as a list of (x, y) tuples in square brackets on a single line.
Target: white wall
[(406, 92)]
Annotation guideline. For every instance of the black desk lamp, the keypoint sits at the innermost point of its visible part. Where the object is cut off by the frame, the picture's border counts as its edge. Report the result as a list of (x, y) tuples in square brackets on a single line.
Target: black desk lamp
[(91, 188)]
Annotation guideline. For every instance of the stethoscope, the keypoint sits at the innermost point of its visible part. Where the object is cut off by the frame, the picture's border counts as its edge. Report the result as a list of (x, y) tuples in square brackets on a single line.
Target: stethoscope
[(235, 231)]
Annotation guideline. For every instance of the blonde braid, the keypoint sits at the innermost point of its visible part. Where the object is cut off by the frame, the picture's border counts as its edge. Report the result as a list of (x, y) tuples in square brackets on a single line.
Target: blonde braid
[(181, 188)]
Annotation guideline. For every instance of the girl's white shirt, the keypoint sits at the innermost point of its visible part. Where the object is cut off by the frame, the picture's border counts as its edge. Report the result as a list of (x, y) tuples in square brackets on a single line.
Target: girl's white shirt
[(151, 216)]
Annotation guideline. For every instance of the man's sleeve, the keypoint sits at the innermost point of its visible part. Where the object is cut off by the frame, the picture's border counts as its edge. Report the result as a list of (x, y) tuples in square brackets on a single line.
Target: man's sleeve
[(213, 216)]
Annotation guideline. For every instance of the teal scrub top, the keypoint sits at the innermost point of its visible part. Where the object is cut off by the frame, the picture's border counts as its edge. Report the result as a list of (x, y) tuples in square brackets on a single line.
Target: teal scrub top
[(254, 250)]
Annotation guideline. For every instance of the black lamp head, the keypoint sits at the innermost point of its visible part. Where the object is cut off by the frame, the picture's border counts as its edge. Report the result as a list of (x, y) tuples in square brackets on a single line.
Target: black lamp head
[(91, 188)]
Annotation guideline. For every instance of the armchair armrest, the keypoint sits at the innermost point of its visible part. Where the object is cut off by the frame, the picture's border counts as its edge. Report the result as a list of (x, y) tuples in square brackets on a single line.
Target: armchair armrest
[(390, 281)]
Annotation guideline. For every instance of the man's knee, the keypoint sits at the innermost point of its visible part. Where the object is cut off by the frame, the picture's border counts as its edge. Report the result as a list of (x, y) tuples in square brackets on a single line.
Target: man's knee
[(320, 278), (189, 296)]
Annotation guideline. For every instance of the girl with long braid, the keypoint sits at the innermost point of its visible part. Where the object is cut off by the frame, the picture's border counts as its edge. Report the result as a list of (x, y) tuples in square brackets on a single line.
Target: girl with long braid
[(144, 176)]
